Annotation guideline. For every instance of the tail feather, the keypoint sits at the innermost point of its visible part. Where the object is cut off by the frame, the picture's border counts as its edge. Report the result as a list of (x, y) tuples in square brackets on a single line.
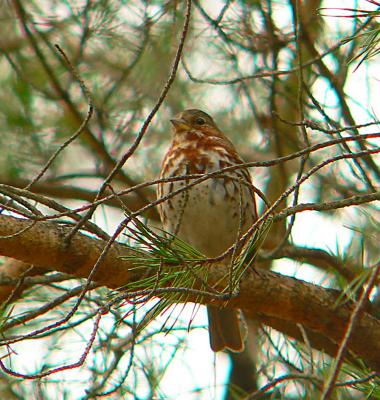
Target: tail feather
[(224, 329)]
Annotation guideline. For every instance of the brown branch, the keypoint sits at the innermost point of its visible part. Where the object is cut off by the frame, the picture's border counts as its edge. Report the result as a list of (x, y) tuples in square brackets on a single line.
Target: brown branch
[(267, 293), (132, 201), (321, 259), (332, 205), (316, 308), (43, 244)]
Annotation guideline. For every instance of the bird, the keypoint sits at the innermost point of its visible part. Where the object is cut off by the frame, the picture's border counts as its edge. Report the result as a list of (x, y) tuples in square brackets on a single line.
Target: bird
[(211, 215)]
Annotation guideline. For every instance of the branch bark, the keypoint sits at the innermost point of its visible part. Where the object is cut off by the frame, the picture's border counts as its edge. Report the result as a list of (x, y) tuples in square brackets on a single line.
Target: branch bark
[(265, 293)]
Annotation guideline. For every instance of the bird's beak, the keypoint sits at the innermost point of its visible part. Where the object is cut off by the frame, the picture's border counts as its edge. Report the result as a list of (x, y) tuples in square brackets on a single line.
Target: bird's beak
[(180, 124)]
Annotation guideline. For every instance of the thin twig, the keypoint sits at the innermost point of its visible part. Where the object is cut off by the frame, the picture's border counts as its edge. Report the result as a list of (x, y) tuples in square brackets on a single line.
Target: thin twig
[(354, 317)]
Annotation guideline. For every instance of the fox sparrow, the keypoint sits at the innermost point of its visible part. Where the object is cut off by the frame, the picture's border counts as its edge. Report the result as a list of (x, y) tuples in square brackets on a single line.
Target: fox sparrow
[(211, 214)]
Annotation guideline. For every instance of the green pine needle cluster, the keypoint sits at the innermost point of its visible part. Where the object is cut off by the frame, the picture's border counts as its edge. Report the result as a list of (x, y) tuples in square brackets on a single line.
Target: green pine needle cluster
[(175, 271)]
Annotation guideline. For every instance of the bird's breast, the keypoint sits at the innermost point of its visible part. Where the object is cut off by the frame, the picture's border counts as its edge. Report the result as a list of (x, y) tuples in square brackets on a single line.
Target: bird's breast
[(210, 214)]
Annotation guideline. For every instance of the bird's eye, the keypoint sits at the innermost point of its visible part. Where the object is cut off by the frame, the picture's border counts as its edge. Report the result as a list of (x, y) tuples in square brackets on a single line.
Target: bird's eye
[(200, 121)]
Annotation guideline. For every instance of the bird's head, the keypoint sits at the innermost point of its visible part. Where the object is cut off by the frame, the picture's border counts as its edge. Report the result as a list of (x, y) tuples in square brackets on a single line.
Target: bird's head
[(193, 120)]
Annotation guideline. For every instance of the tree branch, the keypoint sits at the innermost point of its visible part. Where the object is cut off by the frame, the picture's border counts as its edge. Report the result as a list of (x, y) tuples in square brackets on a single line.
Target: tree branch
[(262, 292), (70, 192)]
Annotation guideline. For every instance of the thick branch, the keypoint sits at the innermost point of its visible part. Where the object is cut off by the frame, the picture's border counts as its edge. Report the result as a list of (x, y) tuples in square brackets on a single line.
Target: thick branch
[(262, 292), (44, 244)]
